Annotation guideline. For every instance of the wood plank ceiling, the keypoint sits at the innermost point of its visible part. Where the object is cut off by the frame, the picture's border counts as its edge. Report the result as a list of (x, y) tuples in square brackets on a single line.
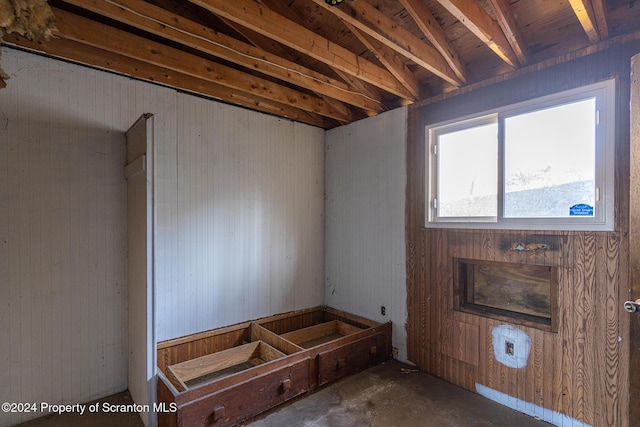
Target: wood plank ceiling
[(326, 65)]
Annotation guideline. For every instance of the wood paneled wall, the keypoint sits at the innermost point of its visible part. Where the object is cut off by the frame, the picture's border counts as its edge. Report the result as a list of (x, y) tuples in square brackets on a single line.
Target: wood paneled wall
[(63, 281), (634, 240), (579, 375), (240, 217), (239, 223)]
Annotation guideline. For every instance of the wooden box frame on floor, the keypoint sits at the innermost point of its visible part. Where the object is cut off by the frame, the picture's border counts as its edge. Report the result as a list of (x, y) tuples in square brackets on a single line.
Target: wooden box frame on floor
[(228, 375)]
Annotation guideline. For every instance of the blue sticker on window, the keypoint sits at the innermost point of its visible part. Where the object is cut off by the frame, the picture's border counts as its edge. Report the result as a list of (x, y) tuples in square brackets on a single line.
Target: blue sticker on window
[(581, 209)]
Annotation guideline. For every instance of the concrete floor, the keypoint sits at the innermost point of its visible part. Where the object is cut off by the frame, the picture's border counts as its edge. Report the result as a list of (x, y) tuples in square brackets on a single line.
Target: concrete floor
[(380, 396), (385, 396), (99, 419)]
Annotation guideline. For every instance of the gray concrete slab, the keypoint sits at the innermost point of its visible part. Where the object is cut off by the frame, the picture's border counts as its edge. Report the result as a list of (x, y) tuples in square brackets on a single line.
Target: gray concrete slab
[(380, 396), (97, 419), (385, 396)]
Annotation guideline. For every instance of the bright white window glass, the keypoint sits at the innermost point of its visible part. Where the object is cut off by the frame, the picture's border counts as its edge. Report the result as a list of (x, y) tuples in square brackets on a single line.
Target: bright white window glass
[(554, 160), (550, 157), (467, 172)]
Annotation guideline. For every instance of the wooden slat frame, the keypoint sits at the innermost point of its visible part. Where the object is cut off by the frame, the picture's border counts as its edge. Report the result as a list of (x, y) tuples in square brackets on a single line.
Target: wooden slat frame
[(211, 363), (310, 333), (277, 341)]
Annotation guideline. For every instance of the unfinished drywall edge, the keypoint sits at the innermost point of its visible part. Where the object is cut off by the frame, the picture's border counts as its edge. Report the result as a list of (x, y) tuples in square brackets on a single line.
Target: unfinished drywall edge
[(531, 409)]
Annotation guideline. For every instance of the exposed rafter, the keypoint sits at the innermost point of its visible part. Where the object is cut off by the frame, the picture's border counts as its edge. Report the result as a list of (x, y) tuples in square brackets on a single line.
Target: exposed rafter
[(389, 59), (264, 21), (595, 26), (434, 33), (99, 58), (82, 30), (480, 23), (366, 90), (600, 12), (326, 65), (377, 25), (155, 20), (511, 29)]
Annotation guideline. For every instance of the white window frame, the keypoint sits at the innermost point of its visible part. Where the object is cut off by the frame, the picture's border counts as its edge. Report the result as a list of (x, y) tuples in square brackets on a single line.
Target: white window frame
[(603, 220)]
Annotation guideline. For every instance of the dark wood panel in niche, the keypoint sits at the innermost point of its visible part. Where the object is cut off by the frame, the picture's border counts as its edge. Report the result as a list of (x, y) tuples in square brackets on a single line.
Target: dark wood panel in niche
[(517, 293)]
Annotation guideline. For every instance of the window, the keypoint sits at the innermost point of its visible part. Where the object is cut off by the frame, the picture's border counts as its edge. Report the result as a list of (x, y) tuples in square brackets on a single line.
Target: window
[(541, 164)]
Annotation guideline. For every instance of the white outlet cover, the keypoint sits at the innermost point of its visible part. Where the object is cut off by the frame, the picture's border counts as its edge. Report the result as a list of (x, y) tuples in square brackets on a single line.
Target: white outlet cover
[(521, 346)]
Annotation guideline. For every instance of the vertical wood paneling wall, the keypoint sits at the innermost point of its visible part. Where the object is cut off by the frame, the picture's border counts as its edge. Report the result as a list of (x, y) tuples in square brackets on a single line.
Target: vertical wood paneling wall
[(63, 235), (239, 227), (579, 375), (634, 238), (365, 225), (245, 236)]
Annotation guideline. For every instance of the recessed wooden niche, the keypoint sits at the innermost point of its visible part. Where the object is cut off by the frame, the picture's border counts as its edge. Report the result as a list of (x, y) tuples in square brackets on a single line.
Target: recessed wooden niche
[(513, 293)]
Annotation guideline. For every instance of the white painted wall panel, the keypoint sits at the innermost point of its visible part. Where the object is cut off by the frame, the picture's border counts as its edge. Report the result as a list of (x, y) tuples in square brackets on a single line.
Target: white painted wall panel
[(239, 231), (62, 228), (248, 226), (365, 220)]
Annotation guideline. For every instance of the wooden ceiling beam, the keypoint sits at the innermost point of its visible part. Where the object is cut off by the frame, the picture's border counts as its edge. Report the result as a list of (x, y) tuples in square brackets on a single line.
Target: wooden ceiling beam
[(263, 42), (380, 27), (76, 28), (480, 23), (266, 43), (511, 29), (360, 86), (389, 59), (261, 19), (94, 57), (585, 13), (600, 12), (423, 17), (155, 20)]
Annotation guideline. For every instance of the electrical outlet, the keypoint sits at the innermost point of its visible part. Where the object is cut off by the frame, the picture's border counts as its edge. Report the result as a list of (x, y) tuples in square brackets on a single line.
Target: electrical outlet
[(383, 310), (509, 348)]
